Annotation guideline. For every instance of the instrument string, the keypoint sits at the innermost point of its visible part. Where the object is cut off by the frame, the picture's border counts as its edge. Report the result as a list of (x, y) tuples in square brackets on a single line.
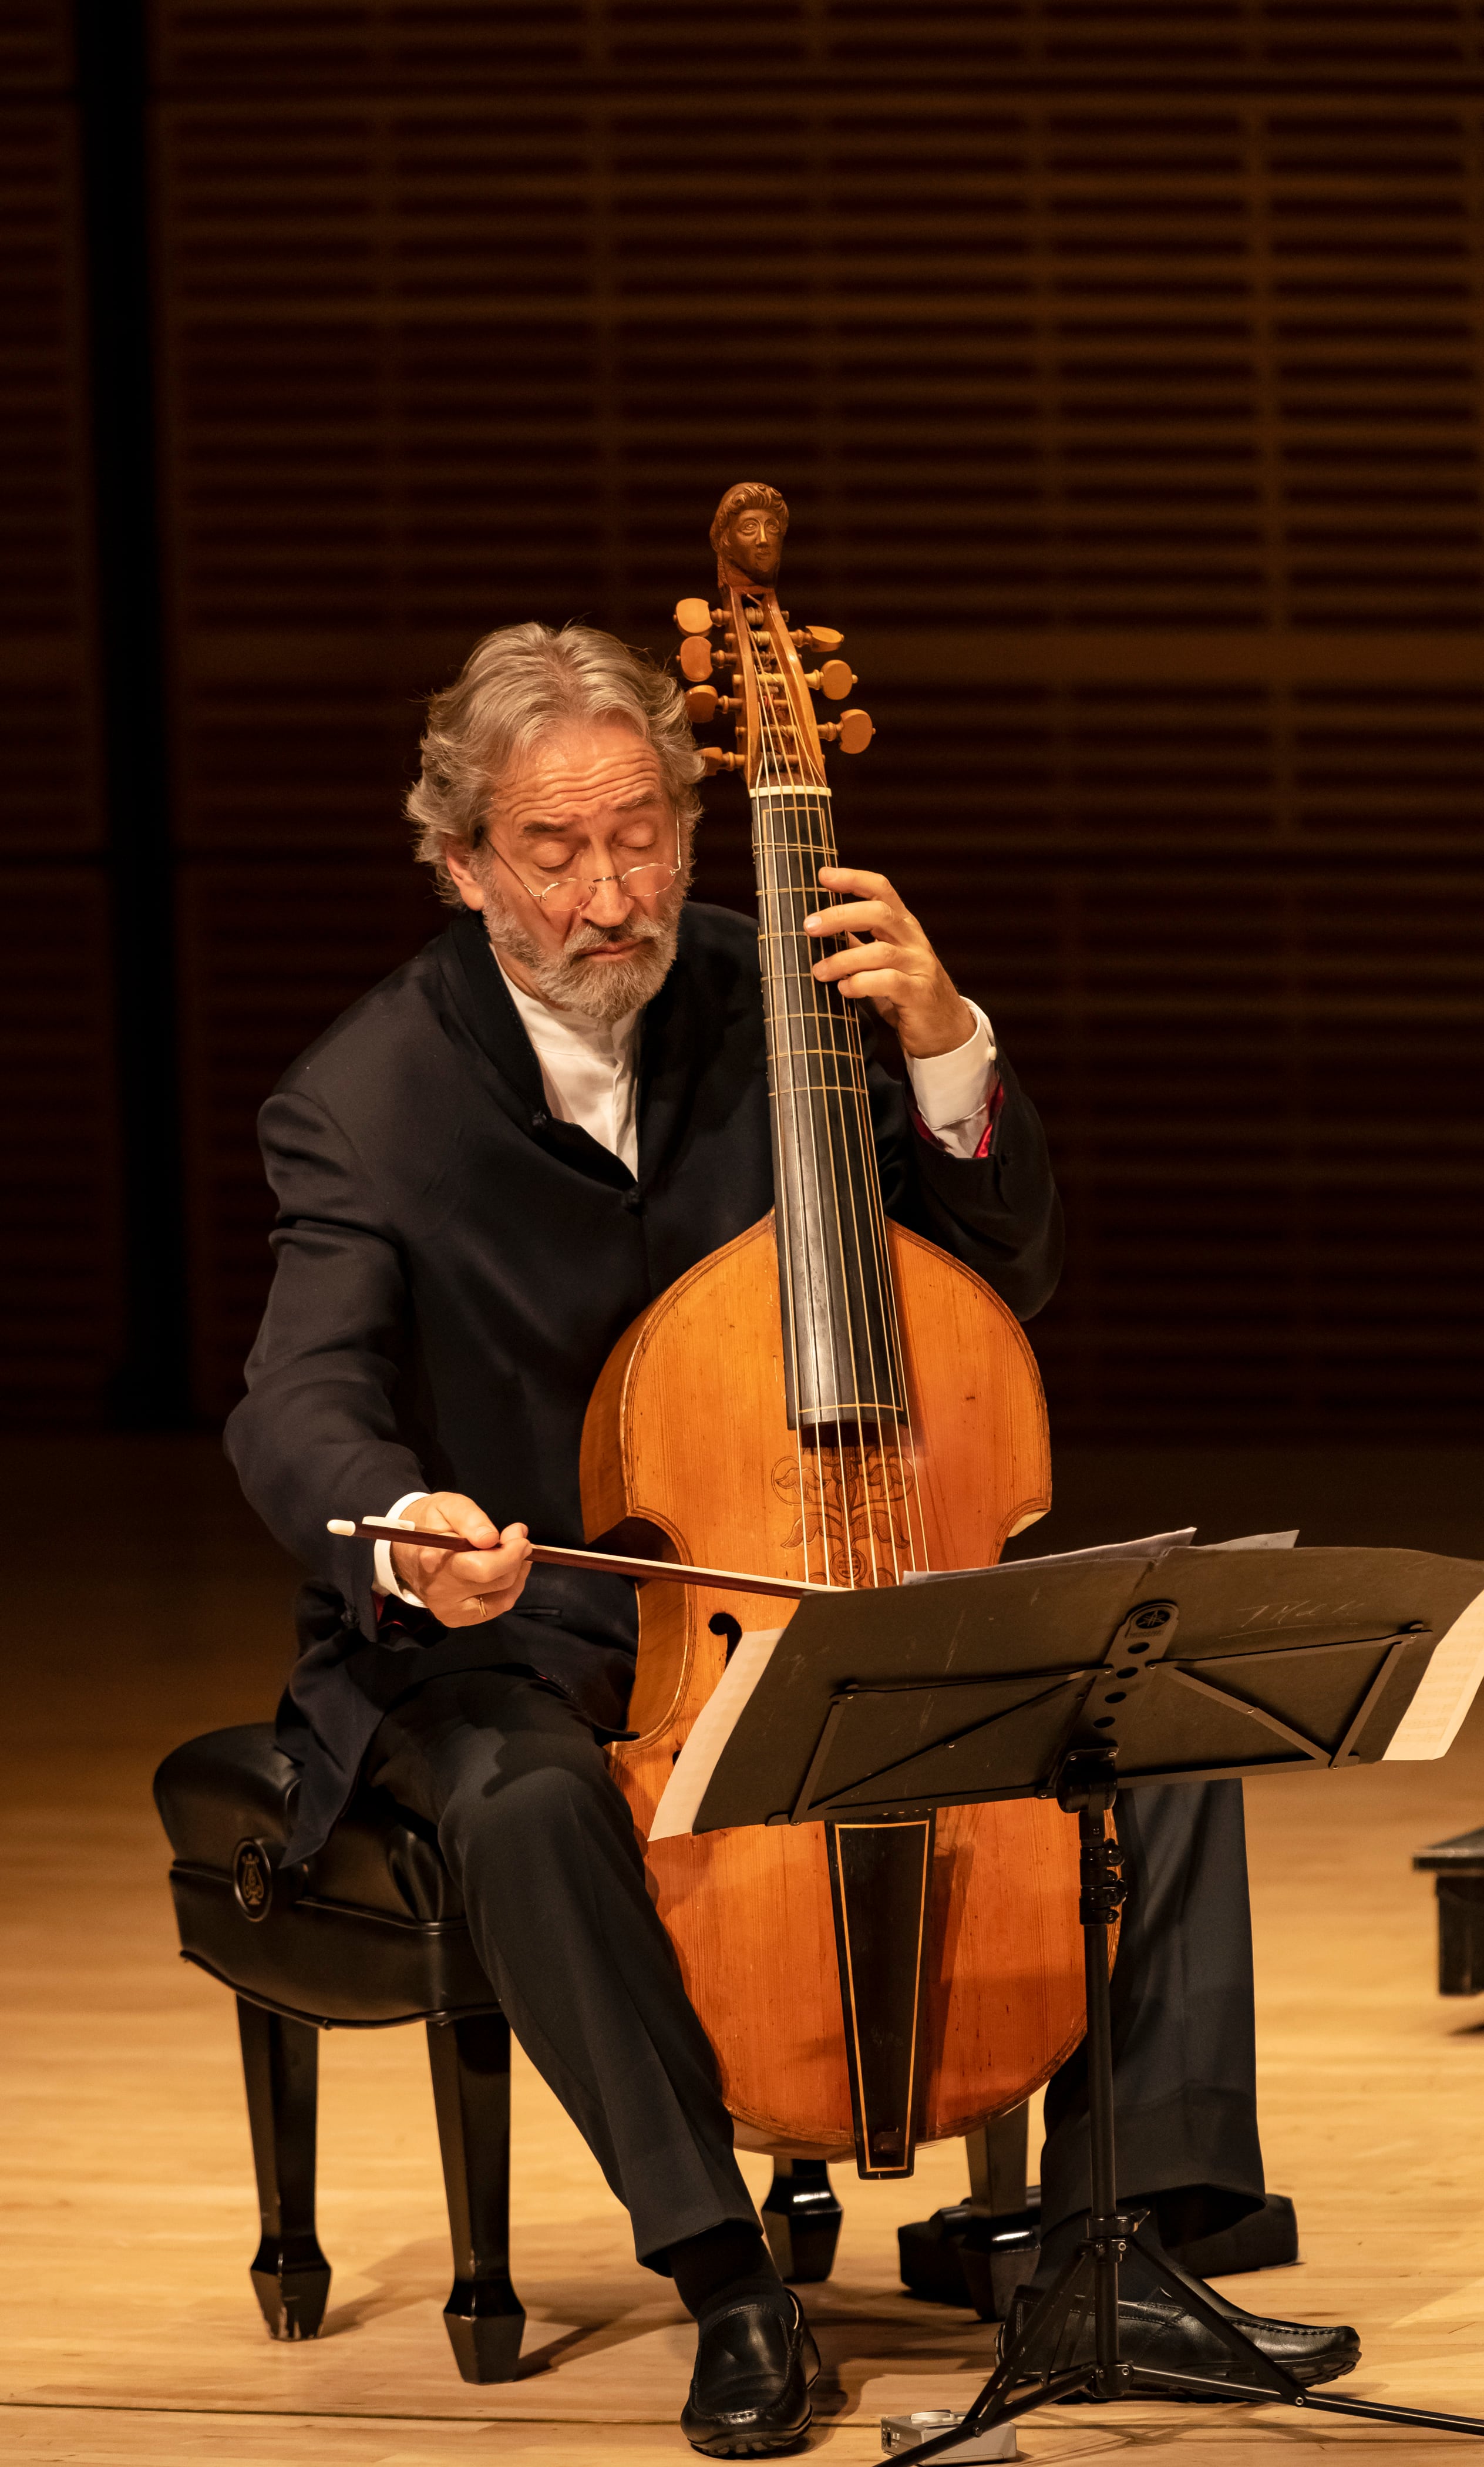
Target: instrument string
[(805, 815), (908, 1475), (886, 1284), (906, 1467), (786, 1060), (856, 1168), (815, 805), (802, 1096), (907, 1452), (822, 1010), (785, 1124), (788, 1125)]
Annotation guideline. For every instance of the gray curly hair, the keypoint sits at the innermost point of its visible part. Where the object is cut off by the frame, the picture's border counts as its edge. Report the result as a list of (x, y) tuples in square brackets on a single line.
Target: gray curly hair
[(517, 684)]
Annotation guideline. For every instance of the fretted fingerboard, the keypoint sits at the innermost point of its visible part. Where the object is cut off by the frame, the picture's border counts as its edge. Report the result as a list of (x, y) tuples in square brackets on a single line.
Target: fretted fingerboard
[(843, 1360)]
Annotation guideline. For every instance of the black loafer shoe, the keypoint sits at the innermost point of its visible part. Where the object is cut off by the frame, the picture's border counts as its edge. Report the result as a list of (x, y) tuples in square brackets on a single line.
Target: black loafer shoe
[(1153, 2333), (755, 2366)]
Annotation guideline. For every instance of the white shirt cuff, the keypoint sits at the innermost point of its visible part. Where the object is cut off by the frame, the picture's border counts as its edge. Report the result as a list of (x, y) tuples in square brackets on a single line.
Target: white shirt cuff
[(952, 1091), (384, 1576)]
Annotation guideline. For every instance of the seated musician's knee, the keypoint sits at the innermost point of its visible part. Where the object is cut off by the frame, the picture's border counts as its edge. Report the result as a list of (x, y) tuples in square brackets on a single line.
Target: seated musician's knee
[(532, 1812)]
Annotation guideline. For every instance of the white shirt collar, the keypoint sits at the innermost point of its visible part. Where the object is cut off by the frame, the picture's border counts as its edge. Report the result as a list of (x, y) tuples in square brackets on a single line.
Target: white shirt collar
[(588, 1069)]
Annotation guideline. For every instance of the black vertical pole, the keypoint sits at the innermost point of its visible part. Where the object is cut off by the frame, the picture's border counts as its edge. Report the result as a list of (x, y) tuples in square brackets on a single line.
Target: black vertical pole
[(151, 1387), (1102, 2220)]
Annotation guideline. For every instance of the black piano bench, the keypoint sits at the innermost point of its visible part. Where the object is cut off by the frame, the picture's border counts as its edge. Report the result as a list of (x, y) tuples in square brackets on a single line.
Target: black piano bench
[(367, 1934), (1458, 1865)]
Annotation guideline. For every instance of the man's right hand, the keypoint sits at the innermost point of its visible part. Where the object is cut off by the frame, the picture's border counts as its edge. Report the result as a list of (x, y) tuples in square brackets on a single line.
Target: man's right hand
[(463, 1588)]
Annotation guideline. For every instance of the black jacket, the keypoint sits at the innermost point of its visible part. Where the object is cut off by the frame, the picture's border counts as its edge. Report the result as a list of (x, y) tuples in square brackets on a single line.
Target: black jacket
[(453, 1267)]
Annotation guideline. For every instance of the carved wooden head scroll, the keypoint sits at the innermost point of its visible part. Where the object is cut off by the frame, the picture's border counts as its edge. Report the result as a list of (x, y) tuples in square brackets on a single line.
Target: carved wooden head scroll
[(754, 677), (747, 534)]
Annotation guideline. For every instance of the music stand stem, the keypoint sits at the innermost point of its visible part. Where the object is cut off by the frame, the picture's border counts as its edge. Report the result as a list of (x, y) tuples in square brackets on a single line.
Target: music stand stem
[(1089, 1786)]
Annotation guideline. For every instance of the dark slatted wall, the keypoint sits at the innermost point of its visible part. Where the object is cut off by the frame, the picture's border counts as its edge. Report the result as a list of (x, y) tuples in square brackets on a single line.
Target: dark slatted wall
[(60, 1302), (1121, 367)]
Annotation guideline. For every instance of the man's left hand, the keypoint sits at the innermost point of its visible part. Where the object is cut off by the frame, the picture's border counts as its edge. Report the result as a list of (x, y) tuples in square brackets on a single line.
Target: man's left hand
[(896, 968)]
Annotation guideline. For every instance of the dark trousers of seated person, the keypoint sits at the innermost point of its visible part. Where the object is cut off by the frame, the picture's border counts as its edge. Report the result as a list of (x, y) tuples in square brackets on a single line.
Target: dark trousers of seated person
[(1185, 2059), (539, 1839)]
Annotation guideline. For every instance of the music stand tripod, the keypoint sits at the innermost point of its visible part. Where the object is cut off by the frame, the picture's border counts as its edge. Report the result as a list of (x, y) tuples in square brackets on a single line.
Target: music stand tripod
[(1088, 1787), (1073, 1678)]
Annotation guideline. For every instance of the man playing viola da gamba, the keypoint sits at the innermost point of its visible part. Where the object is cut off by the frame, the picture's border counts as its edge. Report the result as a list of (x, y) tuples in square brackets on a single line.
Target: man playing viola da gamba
[(486, 1170)]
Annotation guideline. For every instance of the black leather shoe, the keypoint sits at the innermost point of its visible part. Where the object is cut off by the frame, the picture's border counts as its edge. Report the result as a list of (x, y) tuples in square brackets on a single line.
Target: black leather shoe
[(1152, 2332), (755, 2366)]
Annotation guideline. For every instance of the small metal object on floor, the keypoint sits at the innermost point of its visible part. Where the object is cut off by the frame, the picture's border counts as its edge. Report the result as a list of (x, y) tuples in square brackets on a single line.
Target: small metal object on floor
[(928, 2423)]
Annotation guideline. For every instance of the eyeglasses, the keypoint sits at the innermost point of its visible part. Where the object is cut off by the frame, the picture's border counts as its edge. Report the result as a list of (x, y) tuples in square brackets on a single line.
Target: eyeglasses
[(563, 898)]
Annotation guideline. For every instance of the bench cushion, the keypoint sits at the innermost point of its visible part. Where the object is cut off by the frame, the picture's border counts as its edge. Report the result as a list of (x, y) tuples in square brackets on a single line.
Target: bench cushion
[(369, 1932)]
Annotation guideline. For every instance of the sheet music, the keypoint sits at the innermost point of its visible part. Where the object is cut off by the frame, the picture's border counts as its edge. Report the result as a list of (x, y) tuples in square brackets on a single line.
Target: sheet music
[(1450, 1683), (681, 1798), (1255, 1542), (1154, 1545)]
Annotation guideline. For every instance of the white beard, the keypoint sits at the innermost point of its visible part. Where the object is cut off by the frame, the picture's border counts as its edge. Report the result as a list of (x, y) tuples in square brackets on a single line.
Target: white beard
[(607, 992)]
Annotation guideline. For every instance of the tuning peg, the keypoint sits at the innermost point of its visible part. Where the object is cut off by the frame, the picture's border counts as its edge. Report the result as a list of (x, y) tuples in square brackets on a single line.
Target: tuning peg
[(835, 679), (716, 761), (817, 638), (694, 617), (701, 704), (852, 732), (697, 659)]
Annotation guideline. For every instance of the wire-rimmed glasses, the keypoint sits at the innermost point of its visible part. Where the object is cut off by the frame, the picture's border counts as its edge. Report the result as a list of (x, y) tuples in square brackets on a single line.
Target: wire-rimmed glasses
[(573, 891)]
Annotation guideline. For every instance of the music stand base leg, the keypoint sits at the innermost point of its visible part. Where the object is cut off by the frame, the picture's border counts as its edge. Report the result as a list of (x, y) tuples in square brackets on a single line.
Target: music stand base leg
[(1088, 1785), (1027, 2378)]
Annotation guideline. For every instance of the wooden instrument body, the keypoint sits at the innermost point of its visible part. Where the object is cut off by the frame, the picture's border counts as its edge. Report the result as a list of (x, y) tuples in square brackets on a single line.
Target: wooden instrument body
[(688, 1429)]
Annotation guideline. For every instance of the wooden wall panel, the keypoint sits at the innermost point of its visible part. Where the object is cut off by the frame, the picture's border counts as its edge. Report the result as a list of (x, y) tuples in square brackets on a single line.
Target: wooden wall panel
[(1212, 368), (49, 780), (454, 43), (59, 1298), (35, 46), (60, 1312), (270, 955), (1132, 430)]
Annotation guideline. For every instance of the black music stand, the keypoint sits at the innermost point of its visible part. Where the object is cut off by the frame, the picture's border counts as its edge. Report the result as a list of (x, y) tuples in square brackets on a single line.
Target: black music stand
[(1076, 1679)]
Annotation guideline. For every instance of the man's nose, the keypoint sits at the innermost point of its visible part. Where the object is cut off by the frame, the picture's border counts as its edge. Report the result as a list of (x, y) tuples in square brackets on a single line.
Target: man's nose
[(609, 904)]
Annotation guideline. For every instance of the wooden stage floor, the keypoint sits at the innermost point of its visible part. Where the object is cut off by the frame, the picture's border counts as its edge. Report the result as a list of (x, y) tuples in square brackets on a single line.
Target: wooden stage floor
[(129, 2331)]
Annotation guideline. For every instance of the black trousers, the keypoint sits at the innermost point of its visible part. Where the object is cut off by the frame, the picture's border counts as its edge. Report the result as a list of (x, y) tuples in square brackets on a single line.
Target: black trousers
[(539, 1838), (1184, 2058)]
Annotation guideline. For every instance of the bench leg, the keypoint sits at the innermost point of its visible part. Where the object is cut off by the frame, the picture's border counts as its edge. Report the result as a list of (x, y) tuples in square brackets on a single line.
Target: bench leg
[(1460, 1934), (281, 2066), (471, 2092)]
